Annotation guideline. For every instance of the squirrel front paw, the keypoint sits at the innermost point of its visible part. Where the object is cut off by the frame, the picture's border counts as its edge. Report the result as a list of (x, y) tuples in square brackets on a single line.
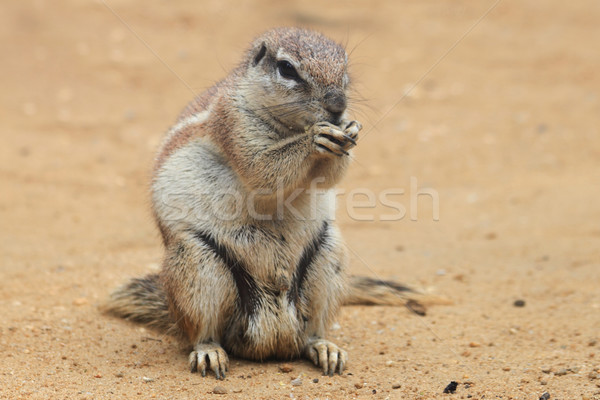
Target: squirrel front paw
[(332, 139), (211, 355), (326, 355)]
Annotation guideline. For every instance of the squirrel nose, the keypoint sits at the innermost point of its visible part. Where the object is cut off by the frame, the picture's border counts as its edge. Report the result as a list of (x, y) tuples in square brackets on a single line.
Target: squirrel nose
[(334, 101)]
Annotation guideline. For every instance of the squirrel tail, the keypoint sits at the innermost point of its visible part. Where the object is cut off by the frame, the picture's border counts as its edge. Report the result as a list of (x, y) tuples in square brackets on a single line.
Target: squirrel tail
[(142, 300), (369, 291)]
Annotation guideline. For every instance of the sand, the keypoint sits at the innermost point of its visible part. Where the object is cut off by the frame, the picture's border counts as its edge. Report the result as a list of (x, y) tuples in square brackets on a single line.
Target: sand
[(492, 116)]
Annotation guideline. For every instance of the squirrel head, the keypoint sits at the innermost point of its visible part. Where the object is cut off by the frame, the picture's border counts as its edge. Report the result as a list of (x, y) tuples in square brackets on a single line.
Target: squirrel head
[(295, 78)]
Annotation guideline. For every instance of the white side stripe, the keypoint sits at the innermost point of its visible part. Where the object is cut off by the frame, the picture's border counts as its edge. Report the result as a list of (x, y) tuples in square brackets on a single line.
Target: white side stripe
[(196, 119)]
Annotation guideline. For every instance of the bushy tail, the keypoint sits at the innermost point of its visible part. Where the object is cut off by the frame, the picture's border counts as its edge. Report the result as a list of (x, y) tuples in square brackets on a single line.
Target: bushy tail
[(142, 300), (369, 291)]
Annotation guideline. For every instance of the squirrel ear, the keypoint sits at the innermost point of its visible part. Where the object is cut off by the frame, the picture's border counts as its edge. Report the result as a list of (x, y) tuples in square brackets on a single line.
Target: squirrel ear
[(261, 53)]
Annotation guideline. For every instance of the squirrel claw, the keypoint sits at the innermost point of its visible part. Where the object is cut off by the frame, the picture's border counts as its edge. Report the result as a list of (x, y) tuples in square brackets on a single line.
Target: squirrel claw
[(325, 145), (329, 138), (209, 355), (350, 139), (352, 129), (326, 355)]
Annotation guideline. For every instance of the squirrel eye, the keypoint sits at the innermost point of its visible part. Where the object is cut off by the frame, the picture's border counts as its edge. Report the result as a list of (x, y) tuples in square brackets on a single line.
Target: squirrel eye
[(287, 70)]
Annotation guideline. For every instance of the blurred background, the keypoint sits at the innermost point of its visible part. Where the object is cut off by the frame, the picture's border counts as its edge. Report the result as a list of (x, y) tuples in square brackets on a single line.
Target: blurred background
[(492, 105)]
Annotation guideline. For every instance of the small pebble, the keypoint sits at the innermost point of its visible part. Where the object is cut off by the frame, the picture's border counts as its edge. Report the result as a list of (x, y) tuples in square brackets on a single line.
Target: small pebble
[(147, 380), (80, 301), (592, 343), (296, 382), (451, 388), (561, 372), (98, 376), (541, 128), (519, 303), (396, 386), (316, 380), (285, 368), (129, 115), (545, 396), (358, 385), (219, 390), (474, 344), (546, 370)]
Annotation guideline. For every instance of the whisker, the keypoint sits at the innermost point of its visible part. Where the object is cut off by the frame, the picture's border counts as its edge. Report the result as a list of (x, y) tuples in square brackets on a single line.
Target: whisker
[(360, 42)]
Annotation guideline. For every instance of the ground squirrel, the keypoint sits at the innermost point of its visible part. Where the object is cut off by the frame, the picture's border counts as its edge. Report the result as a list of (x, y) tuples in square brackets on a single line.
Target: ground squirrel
[(242, 195)]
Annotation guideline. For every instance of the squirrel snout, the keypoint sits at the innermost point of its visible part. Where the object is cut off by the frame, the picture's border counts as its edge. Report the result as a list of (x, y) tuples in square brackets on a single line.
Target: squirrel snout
[(334, 101)]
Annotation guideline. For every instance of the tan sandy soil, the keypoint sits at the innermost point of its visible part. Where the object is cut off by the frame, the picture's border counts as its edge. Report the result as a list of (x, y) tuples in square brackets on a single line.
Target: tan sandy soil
[(503, 124)]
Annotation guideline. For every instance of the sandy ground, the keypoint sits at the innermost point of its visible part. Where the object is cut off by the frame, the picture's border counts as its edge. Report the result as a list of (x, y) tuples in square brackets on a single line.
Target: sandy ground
[(502, 125)]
